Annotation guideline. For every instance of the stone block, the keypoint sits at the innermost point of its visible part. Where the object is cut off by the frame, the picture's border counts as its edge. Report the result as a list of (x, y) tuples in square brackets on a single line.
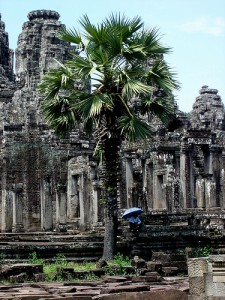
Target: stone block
[(197, 267), (197, 286), (108, 279), (147, 278), (39, 277), (154, 266), (125, 289), (169, 271), (18, 278), (138, 262)]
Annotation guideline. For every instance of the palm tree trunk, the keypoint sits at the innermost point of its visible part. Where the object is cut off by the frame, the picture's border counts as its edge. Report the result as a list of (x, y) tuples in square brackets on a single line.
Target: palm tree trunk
[(111, 147)]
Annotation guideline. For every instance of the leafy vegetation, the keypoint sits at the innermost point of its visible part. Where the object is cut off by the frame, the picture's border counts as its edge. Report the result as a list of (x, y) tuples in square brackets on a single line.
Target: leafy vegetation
[(54, 271), (201, 251)]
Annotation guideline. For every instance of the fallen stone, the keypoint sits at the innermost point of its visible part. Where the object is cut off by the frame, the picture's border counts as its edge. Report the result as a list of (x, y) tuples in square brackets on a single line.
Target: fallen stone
[(146, 295), (125, 288), (138, 262), (169, 271), (29, 269), (114, 279), (150, 278), (154, 266)]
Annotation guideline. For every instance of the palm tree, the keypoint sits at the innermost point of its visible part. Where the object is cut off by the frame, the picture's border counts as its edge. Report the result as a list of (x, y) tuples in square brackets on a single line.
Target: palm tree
[(116, 76)]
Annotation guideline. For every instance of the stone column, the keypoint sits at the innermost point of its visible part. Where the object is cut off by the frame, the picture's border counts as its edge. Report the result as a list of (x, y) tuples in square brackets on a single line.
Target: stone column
[(200, 192), (210, 193), (82, 188), (17, 208), (197, 269), (129, 180), (186, 175), (6, 203), (61, 208), (46, 205), (95, 202), (73, 196)]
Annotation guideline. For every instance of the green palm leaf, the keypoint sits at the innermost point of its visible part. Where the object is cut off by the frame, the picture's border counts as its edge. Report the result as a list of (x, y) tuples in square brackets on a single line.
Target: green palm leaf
[(134, 128), (93, 105), (135, 87), (160, 74)]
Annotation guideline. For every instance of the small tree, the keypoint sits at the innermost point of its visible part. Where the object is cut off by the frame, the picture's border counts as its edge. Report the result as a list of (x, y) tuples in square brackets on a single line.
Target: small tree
[(117, 76)]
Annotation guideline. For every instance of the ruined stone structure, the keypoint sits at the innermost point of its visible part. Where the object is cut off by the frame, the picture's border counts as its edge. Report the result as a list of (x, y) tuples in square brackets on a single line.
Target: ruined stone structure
[(49, 183), (207, 277)]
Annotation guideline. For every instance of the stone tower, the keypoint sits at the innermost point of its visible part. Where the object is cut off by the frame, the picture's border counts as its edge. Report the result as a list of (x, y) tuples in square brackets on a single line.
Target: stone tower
[(208, 110), (34, 162), (6, 54)]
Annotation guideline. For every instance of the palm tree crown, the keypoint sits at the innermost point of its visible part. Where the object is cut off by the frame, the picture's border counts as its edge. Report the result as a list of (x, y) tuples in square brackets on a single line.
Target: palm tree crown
[(116, 75), (118, 66)]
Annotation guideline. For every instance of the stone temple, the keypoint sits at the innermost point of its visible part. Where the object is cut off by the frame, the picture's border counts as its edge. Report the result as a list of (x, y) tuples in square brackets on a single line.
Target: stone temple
[(53, 184)]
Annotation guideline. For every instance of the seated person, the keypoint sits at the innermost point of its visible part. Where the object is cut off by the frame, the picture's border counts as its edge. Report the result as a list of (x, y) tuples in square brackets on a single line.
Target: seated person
[(135, 223)]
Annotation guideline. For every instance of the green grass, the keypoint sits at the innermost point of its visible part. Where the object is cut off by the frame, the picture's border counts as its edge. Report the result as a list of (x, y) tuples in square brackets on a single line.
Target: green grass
[(54, 271)]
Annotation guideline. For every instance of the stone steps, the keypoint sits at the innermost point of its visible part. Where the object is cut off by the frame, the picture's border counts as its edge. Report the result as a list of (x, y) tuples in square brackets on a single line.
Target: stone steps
[(77, 247)]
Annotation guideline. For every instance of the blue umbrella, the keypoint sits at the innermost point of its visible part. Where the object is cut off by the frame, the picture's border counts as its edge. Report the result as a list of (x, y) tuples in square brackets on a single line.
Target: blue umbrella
[(131, 211)]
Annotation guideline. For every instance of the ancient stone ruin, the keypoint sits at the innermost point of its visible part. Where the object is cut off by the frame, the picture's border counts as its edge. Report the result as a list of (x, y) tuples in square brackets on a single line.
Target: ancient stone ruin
[(53, 184)]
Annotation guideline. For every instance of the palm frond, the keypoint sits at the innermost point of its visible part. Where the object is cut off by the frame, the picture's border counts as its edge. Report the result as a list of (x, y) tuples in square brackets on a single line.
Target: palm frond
[(70, 36), (135, 87), (59, 115), (134, 128), (123, 26), (150, 39), (55, 80), (163, 107), (93, 104), (160, 74), (81, 66), (94, 34)]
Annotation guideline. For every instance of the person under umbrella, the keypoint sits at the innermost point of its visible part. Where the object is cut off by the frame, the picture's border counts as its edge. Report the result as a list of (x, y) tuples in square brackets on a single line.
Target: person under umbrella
[(132, 215), (135, 223)]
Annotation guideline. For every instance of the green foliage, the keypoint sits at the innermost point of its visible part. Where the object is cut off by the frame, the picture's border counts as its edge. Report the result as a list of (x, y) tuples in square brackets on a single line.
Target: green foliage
[(91, 277), (115, 267), (2, 258), (85, 266), (201, 251), (33, 259), (121, 260), (120, 64), (60, 260)]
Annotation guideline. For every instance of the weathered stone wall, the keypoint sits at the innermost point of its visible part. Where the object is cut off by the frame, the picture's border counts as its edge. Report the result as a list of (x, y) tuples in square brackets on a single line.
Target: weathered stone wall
[(50, 183)]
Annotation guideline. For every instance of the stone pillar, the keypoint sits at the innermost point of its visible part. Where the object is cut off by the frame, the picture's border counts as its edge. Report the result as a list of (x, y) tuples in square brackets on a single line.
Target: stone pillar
[(82, 188), (61, 208), (177, 163), (149, 186), (210, 193), (73, 203), (200, 192), (197, 269), (186, 175), (95, 203), (6, 203), (129, 180), (46, 205), (7, 211), (17, 208)]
